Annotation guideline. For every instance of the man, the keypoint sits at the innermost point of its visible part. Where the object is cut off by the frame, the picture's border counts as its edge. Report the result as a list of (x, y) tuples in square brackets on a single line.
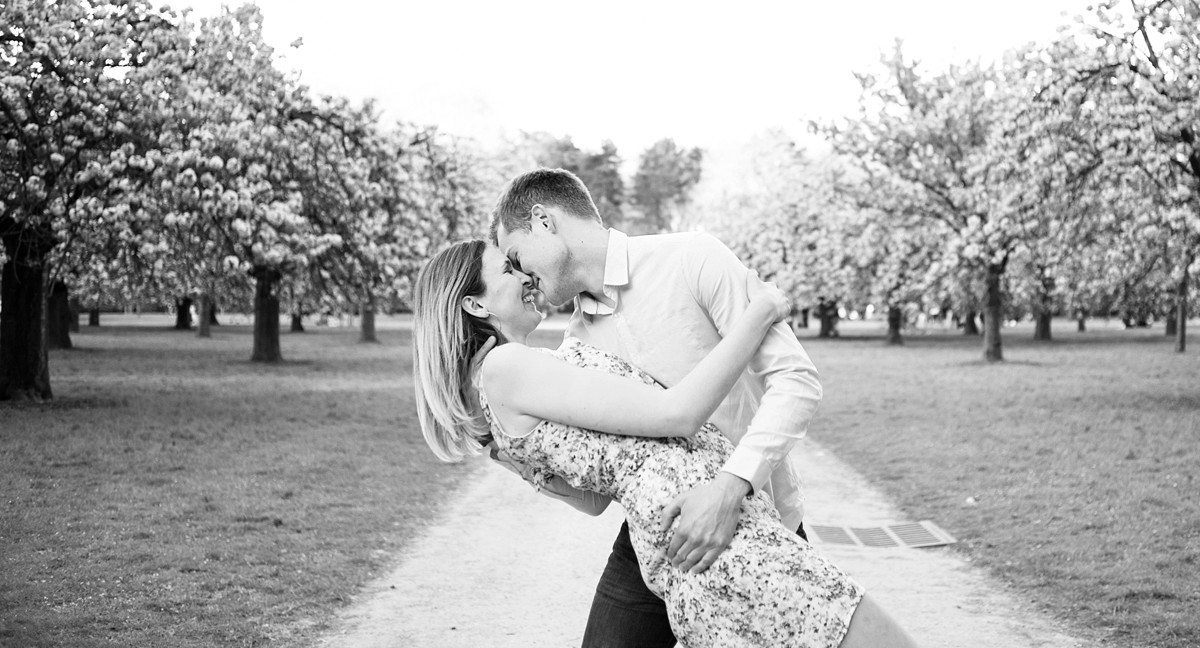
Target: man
[(662, 302)]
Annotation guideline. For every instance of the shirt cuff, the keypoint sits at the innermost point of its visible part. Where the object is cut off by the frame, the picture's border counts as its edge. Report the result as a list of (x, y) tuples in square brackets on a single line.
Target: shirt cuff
[(748, 464)]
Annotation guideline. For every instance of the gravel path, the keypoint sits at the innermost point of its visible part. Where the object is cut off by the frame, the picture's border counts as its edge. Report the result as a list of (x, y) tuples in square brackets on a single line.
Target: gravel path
[(508, 568)]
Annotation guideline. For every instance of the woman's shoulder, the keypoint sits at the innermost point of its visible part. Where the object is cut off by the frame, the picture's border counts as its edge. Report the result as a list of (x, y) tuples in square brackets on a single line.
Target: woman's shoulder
[(505, 356), (508, 360)]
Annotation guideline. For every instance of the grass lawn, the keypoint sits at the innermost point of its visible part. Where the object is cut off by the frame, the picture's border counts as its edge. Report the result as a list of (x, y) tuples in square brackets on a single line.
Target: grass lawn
[(176, 494), (1070, 470)]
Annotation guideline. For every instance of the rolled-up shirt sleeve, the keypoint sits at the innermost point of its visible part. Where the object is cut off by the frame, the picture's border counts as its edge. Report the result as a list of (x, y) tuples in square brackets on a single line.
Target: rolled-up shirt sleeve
[(792, 387)]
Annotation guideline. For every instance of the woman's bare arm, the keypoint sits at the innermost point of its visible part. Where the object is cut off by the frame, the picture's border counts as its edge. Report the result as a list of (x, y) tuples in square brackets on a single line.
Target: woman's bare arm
[(521, 382)]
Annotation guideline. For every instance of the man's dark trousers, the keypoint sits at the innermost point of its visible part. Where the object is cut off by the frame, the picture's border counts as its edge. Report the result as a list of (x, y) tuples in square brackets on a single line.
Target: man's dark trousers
[(625, 613)]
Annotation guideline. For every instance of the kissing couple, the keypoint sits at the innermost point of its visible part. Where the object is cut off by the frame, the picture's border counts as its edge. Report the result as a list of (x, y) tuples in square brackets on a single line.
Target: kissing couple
[(678, 391)]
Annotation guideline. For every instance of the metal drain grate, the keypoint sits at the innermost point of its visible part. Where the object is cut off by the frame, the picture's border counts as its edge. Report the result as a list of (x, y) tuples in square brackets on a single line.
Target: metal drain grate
[(831, 534), (873, 537), (906, 534), (914, 534)]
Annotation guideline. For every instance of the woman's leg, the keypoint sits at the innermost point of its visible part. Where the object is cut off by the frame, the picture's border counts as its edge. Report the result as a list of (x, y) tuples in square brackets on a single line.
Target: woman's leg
[(872, 627)]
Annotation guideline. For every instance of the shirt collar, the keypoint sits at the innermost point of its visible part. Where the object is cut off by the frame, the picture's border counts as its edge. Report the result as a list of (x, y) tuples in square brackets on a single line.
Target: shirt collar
[(616, 276)]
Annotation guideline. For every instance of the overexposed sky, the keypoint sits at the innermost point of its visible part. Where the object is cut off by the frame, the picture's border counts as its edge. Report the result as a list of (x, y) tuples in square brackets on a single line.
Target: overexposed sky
[(708, 74)]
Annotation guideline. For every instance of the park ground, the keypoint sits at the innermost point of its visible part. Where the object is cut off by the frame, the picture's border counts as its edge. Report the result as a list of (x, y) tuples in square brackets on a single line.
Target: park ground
[(176, 494)]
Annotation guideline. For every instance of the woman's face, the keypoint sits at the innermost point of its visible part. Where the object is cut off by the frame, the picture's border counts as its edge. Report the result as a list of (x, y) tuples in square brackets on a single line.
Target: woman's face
[(508, 296)]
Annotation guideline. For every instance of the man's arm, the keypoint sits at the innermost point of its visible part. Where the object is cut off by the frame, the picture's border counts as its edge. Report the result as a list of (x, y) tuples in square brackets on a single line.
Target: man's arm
[(708, 514), (792, 386)]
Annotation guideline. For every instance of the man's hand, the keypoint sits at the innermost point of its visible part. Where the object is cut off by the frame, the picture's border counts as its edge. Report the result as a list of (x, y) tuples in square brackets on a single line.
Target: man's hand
[(708, 516), (501, 457)]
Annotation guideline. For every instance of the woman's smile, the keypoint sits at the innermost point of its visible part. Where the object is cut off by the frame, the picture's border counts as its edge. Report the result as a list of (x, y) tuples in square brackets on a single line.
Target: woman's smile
[(506, 288)]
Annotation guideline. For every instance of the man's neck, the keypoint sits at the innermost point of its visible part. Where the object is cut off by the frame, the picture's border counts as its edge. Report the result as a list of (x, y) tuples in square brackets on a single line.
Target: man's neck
[(589, 249)]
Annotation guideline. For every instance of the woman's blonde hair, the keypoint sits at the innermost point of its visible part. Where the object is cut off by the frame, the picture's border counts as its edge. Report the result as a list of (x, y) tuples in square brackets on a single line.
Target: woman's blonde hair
[(445, 340)]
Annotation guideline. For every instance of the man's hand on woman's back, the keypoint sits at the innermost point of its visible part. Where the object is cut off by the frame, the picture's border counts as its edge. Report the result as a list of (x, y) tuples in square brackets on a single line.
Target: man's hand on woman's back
[(708, 515)]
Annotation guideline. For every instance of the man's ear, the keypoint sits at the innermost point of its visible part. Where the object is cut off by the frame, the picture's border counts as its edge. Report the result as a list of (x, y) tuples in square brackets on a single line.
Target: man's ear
[(542, 217), (472, 306)]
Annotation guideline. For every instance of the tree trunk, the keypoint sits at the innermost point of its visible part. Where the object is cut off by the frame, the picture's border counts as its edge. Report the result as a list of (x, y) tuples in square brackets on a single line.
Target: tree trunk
[(993, 304), (212, 312), (803, 318), (73, 323), (1041, 329), (297, 322), (970, 326), (1172, 322), (58, 317), (368, 320), (1181, 307), (1043, 310), (183, 313), (266, 316), (24, 362), (1081, 321), (827, 315), (204, 329), (895, 318)]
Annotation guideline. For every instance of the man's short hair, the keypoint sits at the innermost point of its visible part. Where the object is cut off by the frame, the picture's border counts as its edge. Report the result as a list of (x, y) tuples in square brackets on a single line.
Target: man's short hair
[(557, 187)]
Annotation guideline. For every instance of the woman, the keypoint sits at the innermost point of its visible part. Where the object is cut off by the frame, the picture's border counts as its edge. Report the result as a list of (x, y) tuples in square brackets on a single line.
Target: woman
[(604, 426)]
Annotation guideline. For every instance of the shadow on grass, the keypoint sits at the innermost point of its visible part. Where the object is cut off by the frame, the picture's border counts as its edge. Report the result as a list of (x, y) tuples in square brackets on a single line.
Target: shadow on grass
[(1171, 402), (77, 349), (1008, 362), (285, 363), (230, 350), (1017, 339), (67, 403), (1100, 337)]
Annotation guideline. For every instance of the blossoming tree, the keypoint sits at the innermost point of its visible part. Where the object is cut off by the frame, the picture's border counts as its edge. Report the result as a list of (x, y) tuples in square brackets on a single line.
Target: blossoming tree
[(71, 101), (1144, 81)]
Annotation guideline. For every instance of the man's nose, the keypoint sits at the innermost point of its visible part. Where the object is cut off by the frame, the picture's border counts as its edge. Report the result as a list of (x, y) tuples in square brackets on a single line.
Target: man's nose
[(526, 280)]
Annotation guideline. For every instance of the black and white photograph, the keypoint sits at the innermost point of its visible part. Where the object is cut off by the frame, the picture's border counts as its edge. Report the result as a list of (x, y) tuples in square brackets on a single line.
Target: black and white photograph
[(530, 324)]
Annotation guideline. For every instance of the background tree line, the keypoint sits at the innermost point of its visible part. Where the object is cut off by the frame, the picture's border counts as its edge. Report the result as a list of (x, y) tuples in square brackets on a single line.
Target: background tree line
[(1064, 179), (152, 159)]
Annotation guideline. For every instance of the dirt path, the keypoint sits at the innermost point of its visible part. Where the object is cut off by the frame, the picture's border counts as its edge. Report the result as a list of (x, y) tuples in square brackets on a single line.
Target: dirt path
[(508, 568)]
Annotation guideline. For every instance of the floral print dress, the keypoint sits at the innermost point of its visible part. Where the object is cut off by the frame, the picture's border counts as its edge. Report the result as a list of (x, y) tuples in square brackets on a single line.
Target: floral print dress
[(769, 588)]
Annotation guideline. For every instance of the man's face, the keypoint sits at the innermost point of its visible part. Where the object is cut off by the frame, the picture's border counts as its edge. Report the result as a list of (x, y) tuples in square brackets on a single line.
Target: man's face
[(543, 256)]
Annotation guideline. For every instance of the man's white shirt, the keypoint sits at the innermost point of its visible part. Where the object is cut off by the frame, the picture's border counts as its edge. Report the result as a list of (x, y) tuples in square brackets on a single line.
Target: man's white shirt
[(674, 296)]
